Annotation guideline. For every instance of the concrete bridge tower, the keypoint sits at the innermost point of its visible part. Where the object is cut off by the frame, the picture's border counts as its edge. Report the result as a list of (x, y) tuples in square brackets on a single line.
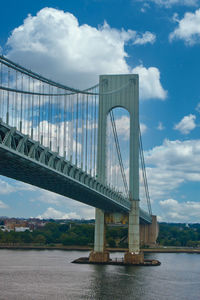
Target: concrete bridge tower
[(119, 91)]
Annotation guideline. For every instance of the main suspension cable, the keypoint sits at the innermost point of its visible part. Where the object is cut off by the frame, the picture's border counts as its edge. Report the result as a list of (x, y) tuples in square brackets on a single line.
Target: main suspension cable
[(68, 90), (144, 173)]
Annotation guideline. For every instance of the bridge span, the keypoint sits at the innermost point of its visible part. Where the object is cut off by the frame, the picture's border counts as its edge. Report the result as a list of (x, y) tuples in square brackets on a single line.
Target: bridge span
[(56, 138)]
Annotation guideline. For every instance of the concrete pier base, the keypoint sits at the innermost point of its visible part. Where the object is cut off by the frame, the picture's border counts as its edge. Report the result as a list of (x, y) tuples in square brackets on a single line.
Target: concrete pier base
[(99, 257), (133, 258), (149, 233)]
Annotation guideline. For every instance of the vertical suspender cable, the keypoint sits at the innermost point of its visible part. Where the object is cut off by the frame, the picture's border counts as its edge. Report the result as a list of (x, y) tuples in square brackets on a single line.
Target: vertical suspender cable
[(39, 116), (95, 126), (7, 113), (56, 121), (48, 119), (76, 133), (29, 111), (144, 173), (32, 110), (51, 119), (42, 117), (59, 122), (82, 130), (64, 125), (119, 152), (20, 127), (86, 136), (91, 134), (68, 126), (13, 103), (16, 100), (1, 92), (72, 130)]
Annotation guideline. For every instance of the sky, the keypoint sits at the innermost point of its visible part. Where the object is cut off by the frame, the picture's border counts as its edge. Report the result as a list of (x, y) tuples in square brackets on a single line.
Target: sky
[(73, 42)]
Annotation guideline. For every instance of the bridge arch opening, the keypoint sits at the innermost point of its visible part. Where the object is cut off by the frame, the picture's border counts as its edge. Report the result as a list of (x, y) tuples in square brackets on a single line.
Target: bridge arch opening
[(118, 149)]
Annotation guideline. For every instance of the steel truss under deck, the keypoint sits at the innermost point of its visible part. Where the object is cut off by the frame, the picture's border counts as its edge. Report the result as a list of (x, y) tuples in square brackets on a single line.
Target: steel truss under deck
[(24, 159)]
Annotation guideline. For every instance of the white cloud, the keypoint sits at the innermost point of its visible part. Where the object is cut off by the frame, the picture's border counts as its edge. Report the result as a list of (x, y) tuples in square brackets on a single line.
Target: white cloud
[(188, 28), (170, 3), (150, 83), (171, 165), (160, 126), (187, 124), (39, 195), (198, 107), (145, 38), (162, 181), (52, 213), (21, 186), (69, 205), (3, 205), (55, 45), (173, 210), (7, 188), (49, 197), (123, 127), (145, 7), (143, 128)]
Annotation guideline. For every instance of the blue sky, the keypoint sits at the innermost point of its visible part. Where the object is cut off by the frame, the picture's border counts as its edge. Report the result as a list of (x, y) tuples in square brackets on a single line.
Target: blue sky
[(78, 40)]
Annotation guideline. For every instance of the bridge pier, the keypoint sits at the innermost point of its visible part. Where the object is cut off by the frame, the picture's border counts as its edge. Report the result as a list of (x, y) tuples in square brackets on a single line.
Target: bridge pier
[(149, 233), (134, 255), (99, 254)]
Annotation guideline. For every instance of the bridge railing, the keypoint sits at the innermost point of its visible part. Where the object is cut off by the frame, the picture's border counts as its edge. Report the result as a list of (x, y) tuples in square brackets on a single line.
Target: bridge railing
[(61, 118), (24, 146), (58, 119)]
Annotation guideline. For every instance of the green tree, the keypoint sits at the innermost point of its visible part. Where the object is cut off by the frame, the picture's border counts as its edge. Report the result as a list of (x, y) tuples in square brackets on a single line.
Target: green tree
[(40, 239), (111, 243)]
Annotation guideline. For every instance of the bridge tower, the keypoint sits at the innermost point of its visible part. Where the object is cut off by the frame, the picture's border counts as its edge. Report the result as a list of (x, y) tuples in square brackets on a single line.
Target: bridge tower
[(119, 91)]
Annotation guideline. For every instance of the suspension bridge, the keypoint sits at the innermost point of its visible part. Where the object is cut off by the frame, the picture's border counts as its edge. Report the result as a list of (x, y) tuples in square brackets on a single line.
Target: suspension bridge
[(66, 140)]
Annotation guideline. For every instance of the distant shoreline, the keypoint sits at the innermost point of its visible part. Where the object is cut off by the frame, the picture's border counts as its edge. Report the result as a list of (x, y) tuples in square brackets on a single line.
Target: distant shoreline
[(87, 248)]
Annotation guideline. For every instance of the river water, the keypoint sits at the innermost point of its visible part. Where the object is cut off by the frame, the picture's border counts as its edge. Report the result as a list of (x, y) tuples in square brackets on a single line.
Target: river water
[(44, 274)]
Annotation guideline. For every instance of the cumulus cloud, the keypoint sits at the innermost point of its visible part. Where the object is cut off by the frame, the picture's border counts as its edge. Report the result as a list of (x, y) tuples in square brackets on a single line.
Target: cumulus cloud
[(54, 44), (48, 197), (198, 107), (70, 206), (123, 127), (145, 38), (188, 211), (187, 124), (145, 7), (188, 28), (52, 213), (3, 205), (143, 128), (160, 126), (172, 164), (170, 3), (150, 86), (7, 188)]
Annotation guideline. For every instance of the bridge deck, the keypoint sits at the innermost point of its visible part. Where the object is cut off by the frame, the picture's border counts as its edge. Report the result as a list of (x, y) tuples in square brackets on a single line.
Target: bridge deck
[(26, 160)]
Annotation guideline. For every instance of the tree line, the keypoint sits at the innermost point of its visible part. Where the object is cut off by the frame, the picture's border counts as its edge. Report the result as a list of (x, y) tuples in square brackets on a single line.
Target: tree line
[(77, 234), (179, 235), (68, 234)]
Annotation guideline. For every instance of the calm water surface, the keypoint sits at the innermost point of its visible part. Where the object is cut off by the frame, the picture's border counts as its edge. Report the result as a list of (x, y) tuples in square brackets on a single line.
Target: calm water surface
[(51, 275)]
